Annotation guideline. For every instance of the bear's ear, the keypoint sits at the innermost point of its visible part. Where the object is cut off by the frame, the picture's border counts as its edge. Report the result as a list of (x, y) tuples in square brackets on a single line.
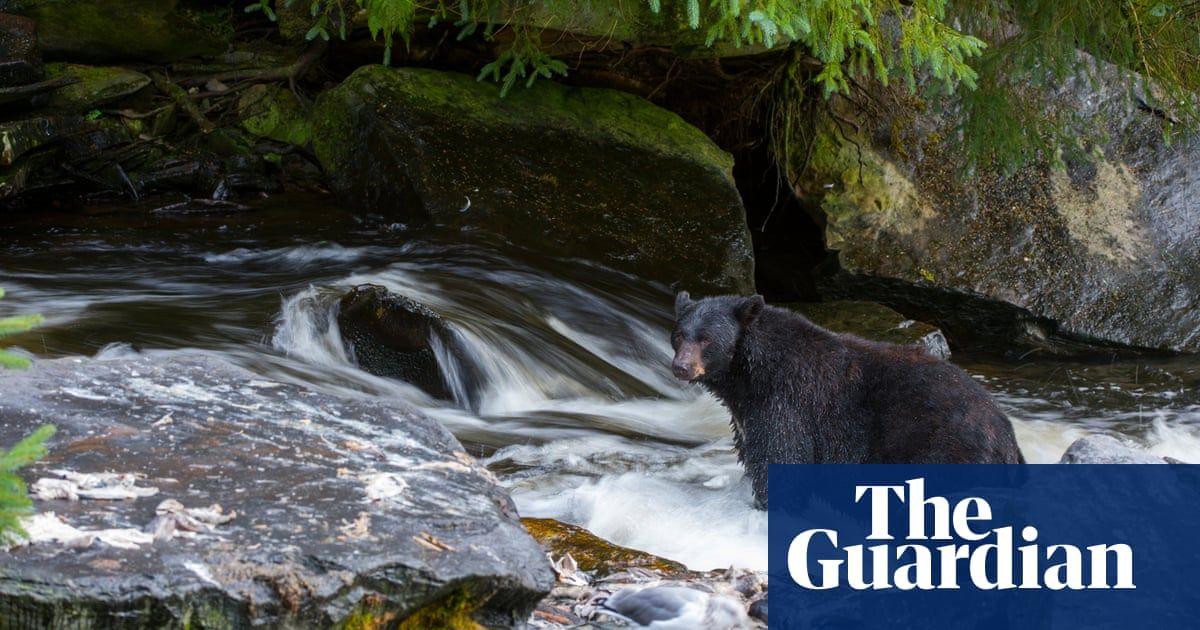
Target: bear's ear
[(682, 299), (749, 309)]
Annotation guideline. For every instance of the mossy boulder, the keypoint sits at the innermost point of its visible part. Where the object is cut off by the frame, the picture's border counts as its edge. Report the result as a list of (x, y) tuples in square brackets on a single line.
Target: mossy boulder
[(271, 111), (594, 174), (591, 552), (98, 31), (96, 85), (874, 321), (1101, 248)]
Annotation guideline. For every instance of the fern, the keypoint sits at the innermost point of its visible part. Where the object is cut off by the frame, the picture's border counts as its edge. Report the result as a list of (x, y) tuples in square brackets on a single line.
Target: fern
[(14, 497), (992, 48), (522, 60)]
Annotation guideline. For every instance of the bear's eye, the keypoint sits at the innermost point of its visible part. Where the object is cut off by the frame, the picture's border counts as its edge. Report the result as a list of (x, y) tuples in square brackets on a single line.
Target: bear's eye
[(676, 338), (704, 340)]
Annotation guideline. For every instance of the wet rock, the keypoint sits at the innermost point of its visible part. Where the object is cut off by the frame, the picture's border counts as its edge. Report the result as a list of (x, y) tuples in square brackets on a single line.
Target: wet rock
[(758, 609), (592, 553), (308, 546), (1105, 449), (586, 173), (274, 112), (1101, 249), (98, 31), (96, 85), (30, 92), (20, 58), (392, 336), (22, 136), (876, 322), (23, 176)]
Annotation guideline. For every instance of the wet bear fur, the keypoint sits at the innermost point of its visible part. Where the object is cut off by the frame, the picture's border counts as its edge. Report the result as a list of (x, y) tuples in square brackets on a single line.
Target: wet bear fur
[(801, 394)]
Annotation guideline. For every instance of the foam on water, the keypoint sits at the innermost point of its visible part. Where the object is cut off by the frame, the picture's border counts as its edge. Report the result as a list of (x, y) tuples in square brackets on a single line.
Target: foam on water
[(310, 254), (585, 423), (579, 414)]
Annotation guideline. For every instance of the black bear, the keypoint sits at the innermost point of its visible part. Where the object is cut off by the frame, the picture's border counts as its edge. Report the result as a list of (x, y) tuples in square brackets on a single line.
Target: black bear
[(800, 394)]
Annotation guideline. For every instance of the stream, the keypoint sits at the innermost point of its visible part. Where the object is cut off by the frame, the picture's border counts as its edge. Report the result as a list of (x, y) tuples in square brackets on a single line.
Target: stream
[(580, 417)]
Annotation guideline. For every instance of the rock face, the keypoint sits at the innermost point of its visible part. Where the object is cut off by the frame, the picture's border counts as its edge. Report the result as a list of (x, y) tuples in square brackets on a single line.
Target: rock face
[(20, 59), (349, 514), (116, 30), (393, 336), (1103, 249), (875, 322), (586, 173), (1105, 449)]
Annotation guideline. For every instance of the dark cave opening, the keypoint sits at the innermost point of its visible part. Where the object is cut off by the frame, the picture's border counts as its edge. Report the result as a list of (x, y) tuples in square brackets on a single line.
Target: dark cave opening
[(788, 243)]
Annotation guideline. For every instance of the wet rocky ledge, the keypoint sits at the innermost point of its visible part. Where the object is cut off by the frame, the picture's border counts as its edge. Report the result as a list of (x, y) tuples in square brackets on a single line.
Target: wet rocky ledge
[(346, 513)]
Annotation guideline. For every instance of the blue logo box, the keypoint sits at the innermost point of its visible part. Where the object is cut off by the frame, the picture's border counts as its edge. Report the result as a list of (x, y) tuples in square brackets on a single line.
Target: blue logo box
[(985, 547)]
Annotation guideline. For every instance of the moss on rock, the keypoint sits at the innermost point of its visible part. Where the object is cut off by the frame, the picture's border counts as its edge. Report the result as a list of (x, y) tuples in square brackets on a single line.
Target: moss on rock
[(274, 112), (112, 30), (587, 173), (97, 85), (591, 552)]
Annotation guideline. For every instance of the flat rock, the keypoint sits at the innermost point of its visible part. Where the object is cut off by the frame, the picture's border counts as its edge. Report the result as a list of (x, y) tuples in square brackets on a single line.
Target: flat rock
[(96, 85), (592, 553), (586, 173), (348, 513), (874, 321)]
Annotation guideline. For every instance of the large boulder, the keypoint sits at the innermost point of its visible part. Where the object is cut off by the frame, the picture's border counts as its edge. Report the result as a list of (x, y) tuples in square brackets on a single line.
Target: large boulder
[(586, 173), (1101, 249), (90, 31), (348, 513)]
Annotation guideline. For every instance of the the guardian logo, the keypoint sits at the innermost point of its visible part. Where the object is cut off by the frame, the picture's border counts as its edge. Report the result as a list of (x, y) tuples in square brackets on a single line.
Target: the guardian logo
[(947, 545)]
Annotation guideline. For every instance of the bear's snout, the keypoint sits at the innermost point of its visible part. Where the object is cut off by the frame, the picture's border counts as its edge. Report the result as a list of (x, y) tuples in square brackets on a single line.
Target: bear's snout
[(688, 365)]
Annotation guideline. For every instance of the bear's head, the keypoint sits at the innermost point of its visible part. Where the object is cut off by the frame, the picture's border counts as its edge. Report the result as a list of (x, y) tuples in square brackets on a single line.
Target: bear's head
[(707, 333)]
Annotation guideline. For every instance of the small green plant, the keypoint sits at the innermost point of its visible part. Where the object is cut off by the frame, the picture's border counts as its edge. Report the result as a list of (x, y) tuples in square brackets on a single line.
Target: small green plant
[(13, 325), (14, 497)]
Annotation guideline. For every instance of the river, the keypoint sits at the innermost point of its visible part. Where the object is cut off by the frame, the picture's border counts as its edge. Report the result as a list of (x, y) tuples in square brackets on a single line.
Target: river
[(580, 416)]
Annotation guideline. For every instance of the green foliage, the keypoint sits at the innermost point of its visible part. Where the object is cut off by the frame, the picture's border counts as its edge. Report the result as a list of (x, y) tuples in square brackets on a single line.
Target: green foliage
[(1153, 45), (13, 325), (845, 35), (524, 60), (1000, 50), (14, 497)]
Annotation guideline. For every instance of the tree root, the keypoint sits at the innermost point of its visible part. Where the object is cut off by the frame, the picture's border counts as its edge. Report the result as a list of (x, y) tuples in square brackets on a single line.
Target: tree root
[(288, 73)]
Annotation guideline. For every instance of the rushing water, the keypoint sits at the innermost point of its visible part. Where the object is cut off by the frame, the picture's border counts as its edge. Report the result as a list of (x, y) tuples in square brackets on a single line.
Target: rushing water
[(580, 415)]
